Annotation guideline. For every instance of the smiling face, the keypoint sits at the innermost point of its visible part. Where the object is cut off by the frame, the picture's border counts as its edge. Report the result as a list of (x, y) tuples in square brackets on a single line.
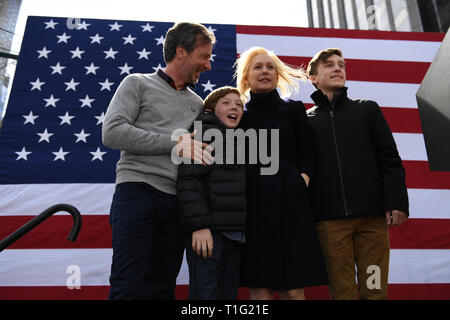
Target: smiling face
[(229, 110), (196, 62), (330, 75), (262, 75)]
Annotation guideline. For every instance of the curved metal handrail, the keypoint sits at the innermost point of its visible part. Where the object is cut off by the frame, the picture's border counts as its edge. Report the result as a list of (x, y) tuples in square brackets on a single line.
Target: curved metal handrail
[(40, 218)]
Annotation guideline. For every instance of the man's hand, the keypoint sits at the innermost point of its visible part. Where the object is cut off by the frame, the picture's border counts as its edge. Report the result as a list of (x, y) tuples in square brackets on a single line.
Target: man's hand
[(202, 242), (198, 151), (306, 178), (395, 217)]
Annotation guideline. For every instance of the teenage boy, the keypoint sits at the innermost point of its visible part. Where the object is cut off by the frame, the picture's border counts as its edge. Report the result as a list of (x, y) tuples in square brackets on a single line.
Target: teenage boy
[(213, 205), (359, 187)]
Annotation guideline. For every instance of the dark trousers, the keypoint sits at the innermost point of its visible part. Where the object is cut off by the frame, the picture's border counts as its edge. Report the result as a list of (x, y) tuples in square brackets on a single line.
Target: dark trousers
[(147, 243), (215, 278)]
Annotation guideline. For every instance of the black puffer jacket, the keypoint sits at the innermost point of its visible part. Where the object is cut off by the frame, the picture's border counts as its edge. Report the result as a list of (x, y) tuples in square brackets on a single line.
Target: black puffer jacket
[(358, 169), (212, 196)]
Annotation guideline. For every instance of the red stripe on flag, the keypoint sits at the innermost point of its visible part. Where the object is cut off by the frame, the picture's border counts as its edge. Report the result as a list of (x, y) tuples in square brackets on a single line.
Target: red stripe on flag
[(434, 234), (52, 234), (96, 233), (413, 291), (419, 176), (432, 291), (54, 293), (404, 120), (340, 33), (371, 70)]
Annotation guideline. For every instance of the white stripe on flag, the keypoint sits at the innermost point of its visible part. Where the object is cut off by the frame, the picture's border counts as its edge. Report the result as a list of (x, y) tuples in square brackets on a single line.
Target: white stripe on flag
[(394, 95), (49, 267), (32, 199), (424, 203), (429, 203), (367, 49), (411, 146), (419, 266)]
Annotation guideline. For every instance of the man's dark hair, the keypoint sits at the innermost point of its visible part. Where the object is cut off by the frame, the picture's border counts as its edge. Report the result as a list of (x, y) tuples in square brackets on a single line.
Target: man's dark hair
[(185, 34)]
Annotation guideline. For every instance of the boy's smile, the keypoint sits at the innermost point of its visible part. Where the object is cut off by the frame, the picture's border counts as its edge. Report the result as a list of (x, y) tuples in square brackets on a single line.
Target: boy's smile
[(229, 110)]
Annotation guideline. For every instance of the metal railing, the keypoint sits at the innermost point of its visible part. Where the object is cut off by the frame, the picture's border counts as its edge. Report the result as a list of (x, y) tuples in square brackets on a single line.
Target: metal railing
[(41, 218)]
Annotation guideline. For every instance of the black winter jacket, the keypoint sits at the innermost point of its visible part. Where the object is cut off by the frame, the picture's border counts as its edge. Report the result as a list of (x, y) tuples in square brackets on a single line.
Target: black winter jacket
[(282, 250), (358, 169), (212, 196)]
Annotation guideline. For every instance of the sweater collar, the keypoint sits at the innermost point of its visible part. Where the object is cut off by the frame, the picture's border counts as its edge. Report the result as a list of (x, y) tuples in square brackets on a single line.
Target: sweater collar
[(321, 99), (266, 101), (171, 82)]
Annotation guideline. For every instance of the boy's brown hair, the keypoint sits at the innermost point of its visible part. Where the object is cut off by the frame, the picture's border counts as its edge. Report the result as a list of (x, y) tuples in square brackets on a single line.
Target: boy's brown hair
[(319, 57), (212, 98)]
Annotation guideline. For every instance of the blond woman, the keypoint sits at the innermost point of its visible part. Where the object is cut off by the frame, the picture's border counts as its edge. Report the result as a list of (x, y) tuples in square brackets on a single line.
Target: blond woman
[(282, 252)]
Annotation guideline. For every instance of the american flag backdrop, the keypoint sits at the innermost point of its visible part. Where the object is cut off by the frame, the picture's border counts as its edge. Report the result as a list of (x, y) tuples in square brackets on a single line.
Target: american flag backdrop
[(51, 150)]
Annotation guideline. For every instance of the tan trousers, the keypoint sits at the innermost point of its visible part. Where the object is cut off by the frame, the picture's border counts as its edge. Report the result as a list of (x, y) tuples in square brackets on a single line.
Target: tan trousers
[(363, 242)]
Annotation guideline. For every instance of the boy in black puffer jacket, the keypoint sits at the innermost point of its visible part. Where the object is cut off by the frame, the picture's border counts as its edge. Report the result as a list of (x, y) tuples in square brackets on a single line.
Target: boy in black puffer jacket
[(213, 204)]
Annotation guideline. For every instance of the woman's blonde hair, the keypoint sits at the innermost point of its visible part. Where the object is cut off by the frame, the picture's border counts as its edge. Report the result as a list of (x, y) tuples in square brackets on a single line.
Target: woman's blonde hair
[(287, 75)]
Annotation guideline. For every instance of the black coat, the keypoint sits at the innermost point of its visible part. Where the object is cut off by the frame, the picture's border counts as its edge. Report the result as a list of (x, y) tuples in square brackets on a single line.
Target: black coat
[(212, 196), (358, 169), (282, 250)]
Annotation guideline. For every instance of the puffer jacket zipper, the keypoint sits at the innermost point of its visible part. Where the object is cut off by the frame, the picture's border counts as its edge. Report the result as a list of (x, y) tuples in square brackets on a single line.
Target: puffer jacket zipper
[(338, 158)]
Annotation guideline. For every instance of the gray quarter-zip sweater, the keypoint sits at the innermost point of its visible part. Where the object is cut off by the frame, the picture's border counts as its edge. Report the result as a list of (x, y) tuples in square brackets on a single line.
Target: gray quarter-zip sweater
[(141, 118)]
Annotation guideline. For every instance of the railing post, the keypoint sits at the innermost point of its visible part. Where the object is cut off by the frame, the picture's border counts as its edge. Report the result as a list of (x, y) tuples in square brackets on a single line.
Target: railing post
[(41, 218)]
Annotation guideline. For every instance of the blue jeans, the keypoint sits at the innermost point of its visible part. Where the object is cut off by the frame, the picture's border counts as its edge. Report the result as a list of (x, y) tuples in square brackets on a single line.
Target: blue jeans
[(147, 243), (215, 278)]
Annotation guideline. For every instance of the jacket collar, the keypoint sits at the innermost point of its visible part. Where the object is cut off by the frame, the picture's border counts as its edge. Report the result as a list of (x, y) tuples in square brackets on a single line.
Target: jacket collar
[(321, 99), (207, 117), (265, 101)]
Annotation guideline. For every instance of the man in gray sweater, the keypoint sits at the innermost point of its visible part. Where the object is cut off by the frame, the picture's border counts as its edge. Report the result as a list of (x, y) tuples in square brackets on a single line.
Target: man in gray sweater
[(140, 121)]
